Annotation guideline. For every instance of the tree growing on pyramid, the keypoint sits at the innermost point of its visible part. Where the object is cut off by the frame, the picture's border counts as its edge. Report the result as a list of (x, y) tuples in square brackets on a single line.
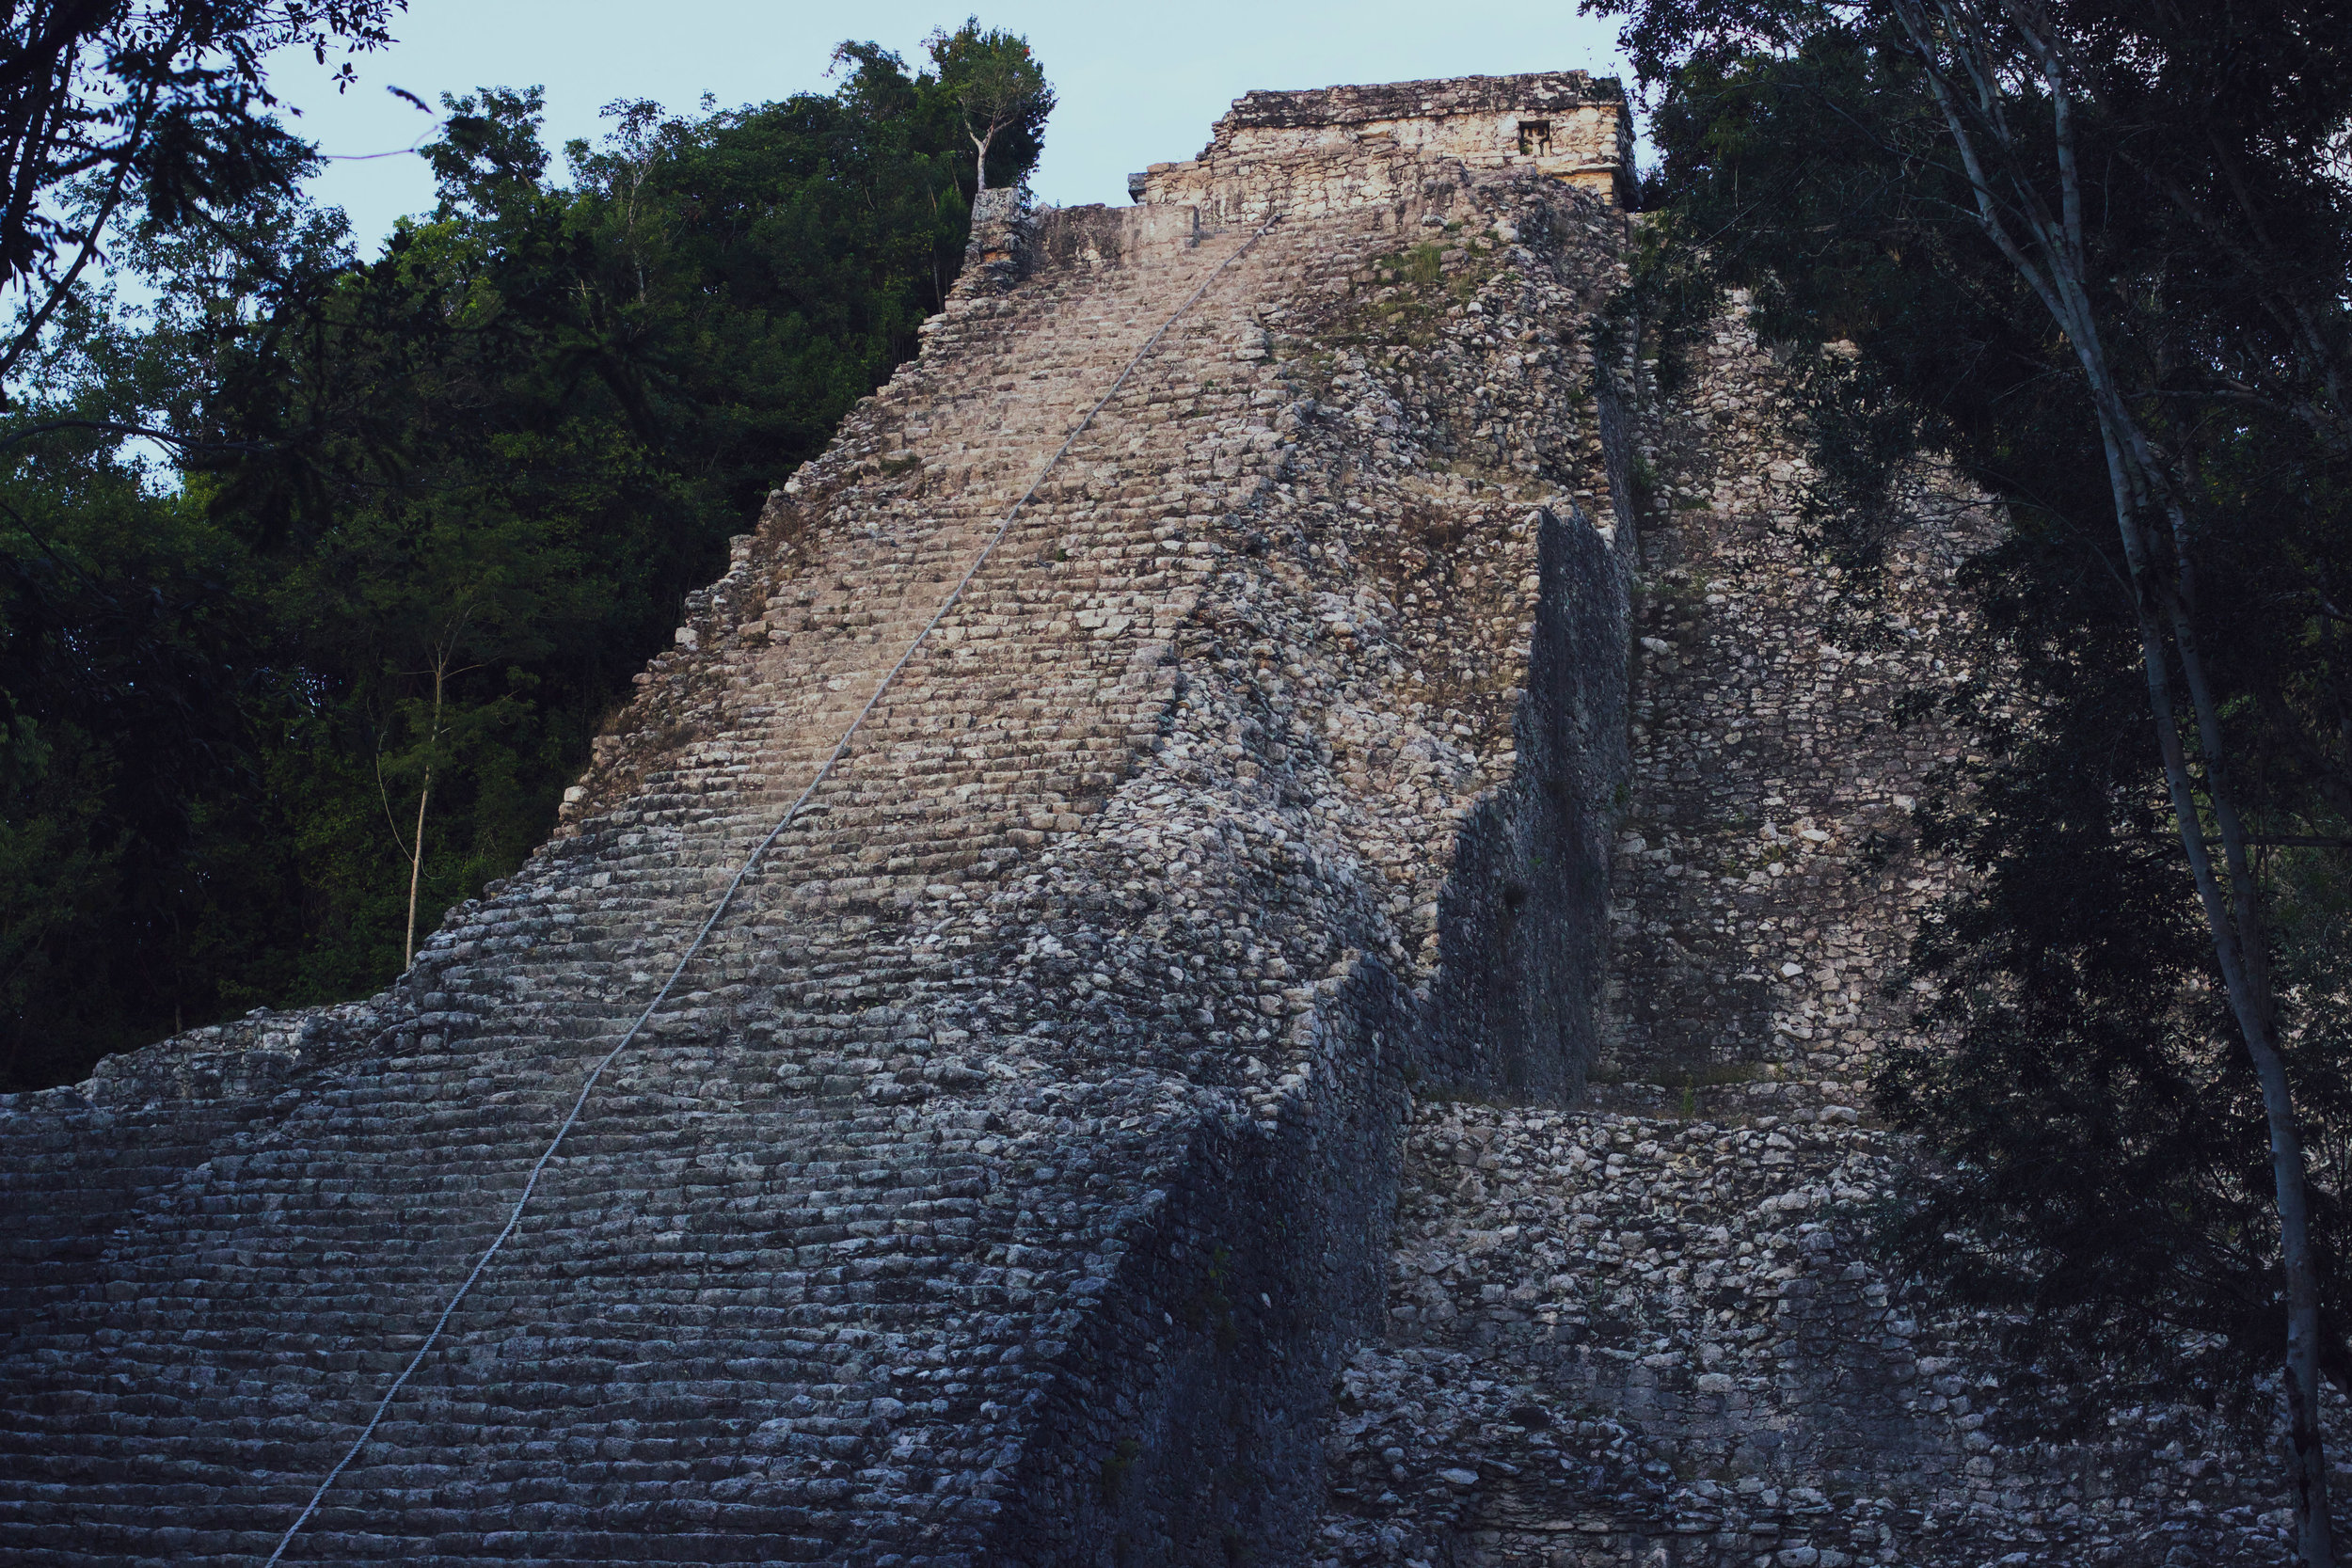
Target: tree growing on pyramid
[(995, 81)]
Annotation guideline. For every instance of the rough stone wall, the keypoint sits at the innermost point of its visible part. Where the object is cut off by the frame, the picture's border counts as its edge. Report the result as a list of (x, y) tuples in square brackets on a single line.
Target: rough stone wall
[(1006, 1178), (1643, 1331), (1294, 152), (1765, 891), (82, 1161)]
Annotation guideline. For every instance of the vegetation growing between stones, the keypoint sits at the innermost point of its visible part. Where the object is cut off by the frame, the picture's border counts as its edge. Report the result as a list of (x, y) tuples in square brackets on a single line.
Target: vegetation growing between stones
[(507, 447)]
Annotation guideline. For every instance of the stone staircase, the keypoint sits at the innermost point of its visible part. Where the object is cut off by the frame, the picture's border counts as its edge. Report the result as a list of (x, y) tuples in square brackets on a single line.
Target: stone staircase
[(1006, 1173)]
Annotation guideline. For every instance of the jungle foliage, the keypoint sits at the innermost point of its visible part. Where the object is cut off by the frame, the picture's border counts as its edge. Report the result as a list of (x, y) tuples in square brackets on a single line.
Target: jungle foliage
[(417, 520), (2095, 254)]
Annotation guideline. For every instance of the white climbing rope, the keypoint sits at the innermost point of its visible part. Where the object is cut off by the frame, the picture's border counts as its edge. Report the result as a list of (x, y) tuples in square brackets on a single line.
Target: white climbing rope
[(727, 899)]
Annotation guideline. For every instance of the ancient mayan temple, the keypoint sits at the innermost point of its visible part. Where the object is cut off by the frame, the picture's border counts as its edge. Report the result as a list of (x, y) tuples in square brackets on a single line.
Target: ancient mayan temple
[(1319, 1019)]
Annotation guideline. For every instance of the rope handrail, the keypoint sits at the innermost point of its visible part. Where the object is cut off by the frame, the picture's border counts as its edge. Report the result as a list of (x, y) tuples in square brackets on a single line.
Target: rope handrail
[(727, 899)]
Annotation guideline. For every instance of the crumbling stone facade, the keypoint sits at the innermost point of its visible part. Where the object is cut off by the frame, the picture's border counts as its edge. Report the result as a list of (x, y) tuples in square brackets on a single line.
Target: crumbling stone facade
[(1283, 150), (1015, 1166), (1320, 1021), (1642, 1329)]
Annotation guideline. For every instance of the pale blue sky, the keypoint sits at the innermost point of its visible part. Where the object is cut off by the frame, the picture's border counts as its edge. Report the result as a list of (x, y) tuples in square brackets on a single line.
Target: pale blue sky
[(1137, 83)]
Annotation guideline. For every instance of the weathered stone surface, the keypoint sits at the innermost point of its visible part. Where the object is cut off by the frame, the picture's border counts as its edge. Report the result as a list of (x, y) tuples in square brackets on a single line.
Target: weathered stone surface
[(1006, 1178), (1301, 152), (1766, 888), (1139, 1112), (1646, 1333)]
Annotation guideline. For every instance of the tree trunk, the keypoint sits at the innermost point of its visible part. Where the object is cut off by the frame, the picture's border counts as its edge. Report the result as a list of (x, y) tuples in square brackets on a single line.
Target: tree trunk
[(2050, 257), (2236, 937), (424, 795), (416, 868)]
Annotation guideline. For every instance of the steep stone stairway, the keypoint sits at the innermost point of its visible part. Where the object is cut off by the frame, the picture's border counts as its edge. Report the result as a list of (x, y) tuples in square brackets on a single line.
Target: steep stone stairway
[(1007, 1170), (721, 1248)]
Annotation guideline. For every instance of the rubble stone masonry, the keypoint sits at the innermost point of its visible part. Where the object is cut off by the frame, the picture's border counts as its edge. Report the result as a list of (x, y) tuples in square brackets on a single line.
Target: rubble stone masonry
[(1642, 1329), (1320, 1019)]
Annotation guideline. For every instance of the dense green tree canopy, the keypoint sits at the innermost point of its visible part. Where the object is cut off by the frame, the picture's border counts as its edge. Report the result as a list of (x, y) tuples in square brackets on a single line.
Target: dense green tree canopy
[(2095, 253), (164, 106), (429, 513), (995, 83)]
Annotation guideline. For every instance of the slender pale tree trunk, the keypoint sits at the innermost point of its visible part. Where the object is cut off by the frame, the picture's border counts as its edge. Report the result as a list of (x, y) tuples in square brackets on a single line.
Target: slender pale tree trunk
[(2047, 250), (425, 796), (416, 870)]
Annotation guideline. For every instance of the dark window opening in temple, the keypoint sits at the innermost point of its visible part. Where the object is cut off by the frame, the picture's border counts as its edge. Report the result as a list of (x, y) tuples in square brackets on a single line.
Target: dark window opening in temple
[(1534, 137)]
